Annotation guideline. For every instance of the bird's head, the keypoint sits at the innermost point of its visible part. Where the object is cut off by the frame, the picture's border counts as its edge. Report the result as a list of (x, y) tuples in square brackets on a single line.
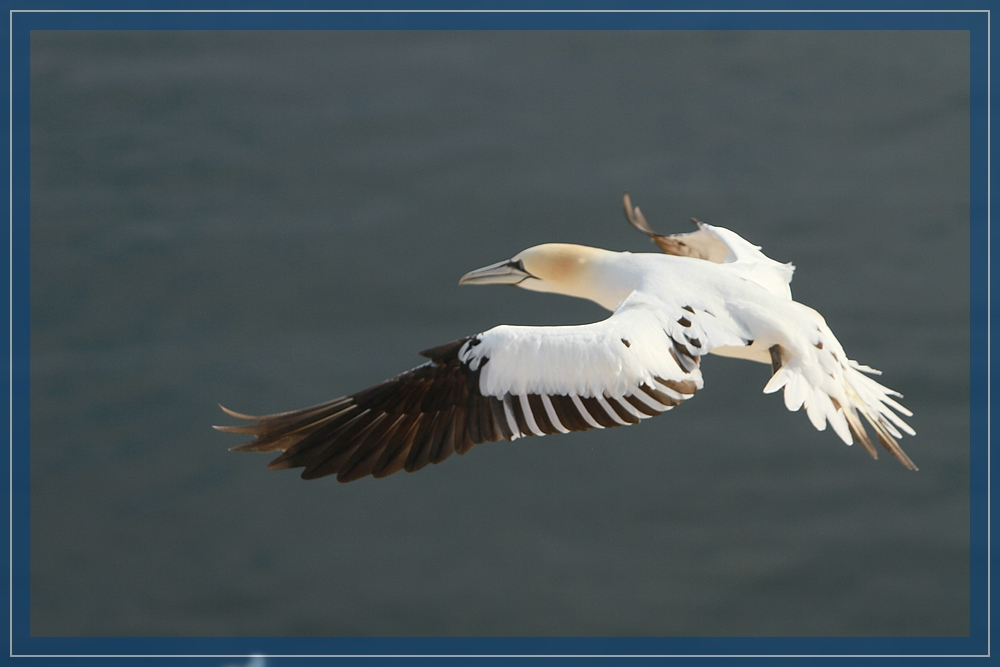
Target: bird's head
[(559, 268)]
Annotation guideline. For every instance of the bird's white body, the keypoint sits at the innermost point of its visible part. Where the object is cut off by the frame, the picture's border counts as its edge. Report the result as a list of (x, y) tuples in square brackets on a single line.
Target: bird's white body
[(740, 307)]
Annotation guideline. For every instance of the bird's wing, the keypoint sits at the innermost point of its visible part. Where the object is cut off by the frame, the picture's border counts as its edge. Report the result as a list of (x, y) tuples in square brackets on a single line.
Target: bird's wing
[(505, 383), (721, 246)]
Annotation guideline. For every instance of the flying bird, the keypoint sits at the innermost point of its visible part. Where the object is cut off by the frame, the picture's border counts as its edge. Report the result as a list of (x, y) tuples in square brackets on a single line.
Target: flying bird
[(710, 292)]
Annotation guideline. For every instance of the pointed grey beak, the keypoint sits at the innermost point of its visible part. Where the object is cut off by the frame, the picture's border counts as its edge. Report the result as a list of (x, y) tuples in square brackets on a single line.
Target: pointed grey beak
[(507, 272)]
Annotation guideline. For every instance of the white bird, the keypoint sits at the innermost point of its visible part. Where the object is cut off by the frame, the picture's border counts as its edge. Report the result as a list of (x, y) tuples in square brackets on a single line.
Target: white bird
[(712, 292)]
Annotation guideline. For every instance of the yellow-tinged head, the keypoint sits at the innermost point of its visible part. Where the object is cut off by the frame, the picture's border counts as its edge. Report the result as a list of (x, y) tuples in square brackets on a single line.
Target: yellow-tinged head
[(559, 268)]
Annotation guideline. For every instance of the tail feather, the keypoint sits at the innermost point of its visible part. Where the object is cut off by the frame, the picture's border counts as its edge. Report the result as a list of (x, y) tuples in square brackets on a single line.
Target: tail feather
[(887, 441), (814, 408), (837, 395), (858, 431), (839, 421)]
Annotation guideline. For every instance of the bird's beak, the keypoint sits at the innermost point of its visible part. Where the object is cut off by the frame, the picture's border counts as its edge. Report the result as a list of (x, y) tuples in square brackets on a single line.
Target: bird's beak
[(507, 272)]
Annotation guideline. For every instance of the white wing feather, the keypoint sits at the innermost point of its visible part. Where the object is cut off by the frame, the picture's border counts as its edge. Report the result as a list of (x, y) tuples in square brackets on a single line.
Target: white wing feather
[(613, 357), (747, 261)]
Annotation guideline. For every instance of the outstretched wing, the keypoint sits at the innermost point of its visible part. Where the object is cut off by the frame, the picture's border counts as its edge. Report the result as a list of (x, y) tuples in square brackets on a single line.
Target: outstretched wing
[(506, 383), (721, 246)]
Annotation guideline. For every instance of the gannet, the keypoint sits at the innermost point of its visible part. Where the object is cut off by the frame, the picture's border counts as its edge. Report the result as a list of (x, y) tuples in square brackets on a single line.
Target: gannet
[(711, 292)]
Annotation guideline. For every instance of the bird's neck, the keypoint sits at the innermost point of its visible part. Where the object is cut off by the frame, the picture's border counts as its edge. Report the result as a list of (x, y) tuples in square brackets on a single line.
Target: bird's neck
[(604, 277)]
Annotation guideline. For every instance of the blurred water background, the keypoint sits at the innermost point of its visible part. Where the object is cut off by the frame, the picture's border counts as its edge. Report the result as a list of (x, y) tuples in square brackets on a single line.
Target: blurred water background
[(272, 219)]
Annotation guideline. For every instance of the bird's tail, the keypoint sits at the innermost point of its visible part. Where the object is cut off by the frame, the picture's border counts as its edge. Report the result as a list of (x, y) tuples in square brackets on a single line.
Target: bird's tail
[(841, 393)]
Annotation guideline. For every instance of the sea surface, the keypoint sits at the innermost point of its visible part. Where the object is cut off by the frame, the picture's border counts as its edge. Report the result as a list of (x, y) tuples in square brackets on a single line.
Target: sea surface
[(268, 220)]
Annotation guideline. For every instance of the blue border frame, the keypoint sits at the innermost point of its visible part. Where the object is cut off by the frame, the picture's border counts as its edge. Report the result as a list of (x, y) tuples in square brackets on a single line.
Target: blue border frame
[(22, 22)]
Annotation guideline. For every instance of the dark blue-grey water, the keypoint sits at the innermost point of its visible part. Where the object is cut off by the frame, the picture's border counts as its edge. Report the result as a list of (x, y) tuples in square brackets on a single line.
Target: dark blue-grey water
[(270, 219)]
